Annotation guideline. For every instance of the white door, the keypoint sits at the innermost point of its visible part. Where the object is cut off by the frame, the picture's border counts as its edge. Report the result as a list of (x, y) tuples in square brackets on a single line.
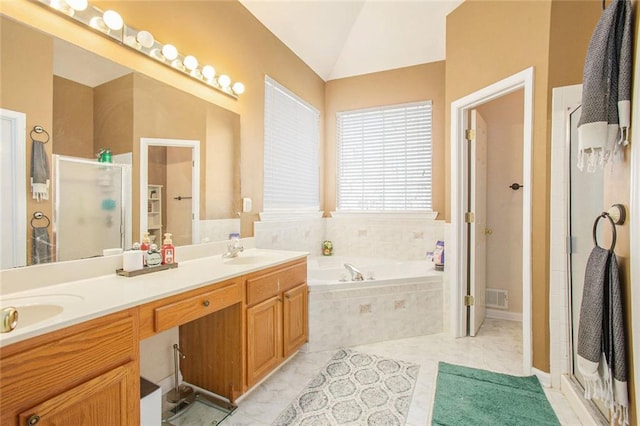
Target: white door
[(13, 192), (477, 235)]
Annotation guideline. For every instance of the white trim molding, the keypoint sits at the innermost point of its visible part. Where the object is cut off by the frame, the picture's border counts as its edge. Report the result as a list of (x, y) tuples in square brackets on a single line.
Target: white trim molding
[(459, 108), (18, 186), (504, 315)]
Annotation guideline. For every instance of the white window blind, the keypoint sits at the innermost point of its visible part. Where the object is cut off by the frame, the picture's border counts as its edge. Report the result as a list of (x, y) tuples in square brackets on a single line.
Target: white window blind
[(384, 158), (291, 138)]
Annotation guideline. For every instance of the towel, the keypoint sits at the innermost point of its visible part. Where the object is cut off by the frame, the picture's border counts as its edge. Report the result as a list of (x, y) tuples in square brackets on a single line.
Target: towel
[(601, 339), (39, 172), (606, 88), (41, 247)]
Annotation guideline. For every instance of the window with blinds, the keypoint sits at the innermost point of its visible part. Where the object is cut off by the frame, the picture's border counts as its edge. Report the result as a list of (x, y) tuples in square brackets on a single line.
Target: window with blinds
[(384, 158), (291, 139)]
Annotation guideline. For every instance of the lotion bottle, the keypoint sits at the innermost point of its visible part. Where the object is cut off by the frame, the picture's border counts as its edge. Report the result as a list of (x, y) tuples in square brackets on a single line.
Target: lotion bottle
[(146, 242), (144, 246), (168, 250)]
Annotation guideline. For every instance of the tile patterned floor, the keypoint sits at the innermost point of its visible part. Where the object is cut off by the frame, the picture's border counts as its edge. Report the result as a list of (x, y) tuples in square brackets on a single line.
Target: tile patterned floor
[(498, 347)]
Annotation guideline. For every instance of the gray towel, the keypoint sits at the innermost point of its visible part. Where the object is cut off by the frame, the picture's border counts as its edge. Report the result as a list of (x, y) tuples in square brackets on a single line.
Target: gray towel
[(41, 246), (39, 172), (601, 338), (606, 88)]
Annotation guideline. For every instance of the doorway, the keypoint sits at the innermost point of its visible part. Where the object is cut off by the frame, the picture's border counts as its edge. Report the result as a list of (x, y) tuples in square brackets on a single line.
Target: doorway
[(170, 177), (495, 250), (13, 198), (461, 194)]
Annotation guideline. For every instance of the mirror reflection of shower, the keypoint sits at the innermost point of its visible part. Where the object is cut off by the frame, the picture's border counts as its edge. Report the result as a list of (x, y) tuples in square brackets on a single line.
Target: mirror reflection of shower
[(91, 199)]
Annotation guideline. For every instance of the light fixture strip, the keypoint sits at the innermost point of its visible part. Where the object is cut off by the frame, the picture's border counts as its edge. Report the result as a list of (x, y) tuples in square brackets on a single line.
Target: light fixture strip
[(112, 26)]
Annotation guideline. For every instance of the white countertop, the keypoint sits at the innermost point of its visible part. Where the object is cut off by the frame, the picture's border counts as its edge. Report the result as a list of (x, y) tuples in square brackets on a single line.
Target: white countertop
[(99, 296)]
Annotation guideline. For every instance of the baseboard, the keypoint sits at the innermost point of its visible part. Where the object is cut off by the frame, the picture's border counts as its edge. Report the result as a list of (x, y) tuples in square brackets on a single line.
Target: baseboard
[(545, 378), (503, 315)]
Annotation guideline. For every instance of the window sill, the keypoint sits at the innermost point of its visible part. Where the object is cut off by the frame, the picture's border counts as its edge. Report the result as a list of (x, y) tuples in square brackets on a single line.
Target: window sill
[(387, 215), (289, 215)]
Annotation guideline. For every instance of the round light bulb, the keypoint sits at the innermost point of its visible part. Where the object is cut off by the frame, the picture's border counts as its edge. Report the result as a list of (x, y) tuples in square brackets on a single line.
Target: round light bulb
[(77, 4), (224, 81), (190, 62), (145, 38), (238, 88), (98, 23), (169, 51), (208, 72), (113, 20)]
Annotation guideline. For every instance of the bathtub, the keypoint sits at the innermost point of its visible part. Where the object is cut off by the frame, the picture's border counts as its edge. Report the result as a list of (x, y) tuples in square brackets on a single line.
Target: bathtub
[(397, 299)]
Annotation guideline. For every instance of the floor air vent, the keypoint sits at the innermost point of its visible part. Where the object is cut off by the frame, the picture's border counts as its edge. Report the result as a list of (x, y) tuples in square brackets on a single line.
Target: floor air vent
[(497, 298)]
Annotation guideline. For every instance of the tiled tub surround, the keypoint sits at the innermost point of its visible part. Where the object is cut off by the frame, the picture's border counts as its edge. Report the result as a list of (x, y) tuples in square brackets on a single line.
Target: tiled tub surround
[(400, 237), (218, 229), (405, 299)]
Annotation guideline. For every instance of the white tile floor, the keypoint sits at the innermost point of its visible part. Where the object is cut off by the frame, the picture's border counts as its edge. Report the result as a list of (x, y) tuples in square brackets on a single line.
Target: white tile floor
[(498, 347)]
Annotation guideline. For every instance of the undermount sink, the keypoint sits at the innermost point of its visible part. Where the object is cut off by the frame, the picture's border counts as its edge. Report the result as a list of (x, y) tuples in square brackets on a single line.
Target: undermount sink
[(34, 309), (245, 260)]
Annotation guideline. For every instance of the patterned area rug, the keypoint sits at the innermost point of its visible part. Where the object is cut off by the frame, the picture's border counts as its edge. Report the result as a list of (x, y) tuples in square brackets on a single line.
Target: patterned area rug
[(355, 388)]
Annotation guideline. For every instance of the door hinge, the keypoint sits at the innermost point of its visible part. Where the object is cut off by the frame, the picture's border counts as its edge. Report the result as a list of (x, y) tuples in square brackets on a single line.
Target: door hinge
[(470, 134), (468, 300), (469, 217)]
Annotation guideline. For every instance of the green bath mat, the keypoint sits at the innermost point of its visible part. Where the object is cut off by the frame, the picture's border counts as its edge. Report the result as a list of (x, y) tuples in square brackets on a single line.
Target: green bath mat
[(468, 396)]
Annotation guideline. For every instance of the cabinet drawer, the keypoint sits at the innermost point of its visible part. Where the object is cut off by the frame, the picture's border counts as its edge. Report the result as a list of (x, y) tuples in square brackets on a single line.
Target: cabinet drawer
[(262, 287), (194, 307)]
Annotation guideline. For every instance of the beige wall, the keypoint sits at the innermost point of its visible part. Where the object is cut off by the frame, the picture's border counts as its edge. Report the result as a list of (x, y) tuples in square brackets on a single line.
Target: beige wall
[(416, 83), (19, 63), (504, 205), (222, 33), (72, 119), (490, 40)]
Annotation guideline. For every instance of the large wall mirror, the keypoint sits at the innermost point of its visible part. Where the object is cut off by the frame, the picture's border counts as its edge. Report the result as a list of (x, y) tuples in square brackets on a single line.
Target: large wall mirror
[(91, 103)]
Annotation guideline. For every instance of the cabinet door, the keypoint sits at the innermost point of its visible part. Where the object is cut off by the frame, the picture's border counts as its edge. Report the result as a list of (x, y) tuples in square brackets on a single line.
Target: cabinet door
[(264, 339), (295, 317), (105, 400)]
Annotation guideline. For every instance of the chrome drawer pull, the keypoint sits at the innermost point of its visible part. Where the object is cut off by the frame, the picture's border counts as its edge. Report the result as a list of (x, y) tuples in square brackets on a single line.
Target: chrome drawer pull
[(205, 303)]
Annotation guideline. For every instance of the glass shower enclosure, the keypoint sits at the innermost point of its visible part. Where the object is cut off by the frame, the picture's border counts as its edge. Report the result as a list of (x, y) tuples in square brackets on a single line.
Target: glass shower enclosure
[(586, 201), (91, 201)]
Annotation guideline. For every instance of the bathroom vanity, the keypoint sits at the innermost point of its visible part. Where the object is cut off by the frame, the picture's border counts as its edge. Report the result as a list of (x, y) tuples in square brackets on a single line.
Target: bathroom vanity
[(238, 319)]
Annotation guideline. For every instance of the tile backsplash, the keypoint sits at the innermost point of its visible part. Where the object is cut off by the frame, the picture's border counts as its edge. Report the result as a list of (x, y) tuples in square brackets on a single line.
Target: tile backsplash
[(369, 235)]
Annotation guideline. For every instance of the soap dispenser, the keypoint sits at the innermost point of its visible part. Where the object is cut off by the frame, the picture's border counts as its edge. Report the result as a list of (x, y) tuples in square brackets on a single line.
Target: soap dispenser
[(168, 250), (146, 242)]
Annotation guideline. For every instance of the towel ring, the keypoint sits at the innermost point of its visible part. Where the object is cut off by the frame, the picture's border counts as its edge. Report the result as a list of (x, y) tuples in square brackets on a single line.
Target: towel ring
[(39, 130), (38, 216), (613, 229)]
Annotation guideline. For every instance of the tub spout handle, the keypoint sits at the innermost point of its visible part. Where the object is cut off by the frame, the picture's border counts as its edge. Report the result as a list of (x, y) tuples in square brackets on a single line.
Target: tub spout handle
[(356, 275)]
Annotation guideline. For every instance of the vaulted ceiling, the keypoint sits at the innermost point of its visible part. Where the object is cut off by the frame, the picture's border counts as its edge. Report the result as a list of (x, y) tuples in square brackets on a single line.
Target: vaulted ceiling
[(343, 38)]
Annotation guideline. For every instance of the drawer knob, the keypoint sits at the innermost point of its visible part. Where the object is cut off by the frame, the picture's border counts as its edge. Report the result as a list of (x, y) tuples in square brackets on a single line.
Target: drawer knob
[(288, 296), (33, 420), (205, 303)]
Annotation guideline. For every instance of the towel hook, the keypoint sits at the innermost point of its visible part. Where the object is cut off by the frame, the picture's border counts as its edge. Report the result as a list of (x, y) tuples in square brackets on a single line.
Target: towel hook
[(39, 130)]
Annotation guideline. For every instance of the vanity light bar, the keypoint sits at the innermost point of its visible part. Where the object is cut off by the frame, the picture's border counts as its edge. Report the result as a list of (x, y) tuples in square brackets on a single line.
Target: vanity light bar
[(111, 24)]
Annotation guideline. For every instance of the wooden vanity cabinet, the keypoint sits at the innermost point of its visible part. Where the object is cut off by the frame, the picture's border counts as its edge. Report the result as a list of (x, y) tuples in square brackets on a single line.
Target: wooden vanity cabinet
[(85, 374), (276, 317)]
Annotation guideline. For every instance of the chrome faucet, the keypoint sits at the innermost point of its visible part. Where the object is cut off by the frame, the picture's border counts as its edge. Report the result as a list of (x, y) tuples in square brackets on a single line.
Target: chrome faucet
[(356, 275), (233, 249)]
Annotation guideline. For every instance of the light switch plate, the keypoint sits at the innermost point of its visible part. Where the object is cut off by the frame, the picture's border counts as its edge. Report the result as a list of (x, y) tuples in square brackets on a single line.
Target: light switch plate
[(247, 205)]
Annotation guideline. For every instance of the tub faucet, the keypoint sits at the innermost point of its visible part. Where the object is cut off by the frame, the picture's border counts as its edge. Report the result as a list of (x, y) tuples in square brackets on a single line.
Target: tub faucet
[(356, 275)]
